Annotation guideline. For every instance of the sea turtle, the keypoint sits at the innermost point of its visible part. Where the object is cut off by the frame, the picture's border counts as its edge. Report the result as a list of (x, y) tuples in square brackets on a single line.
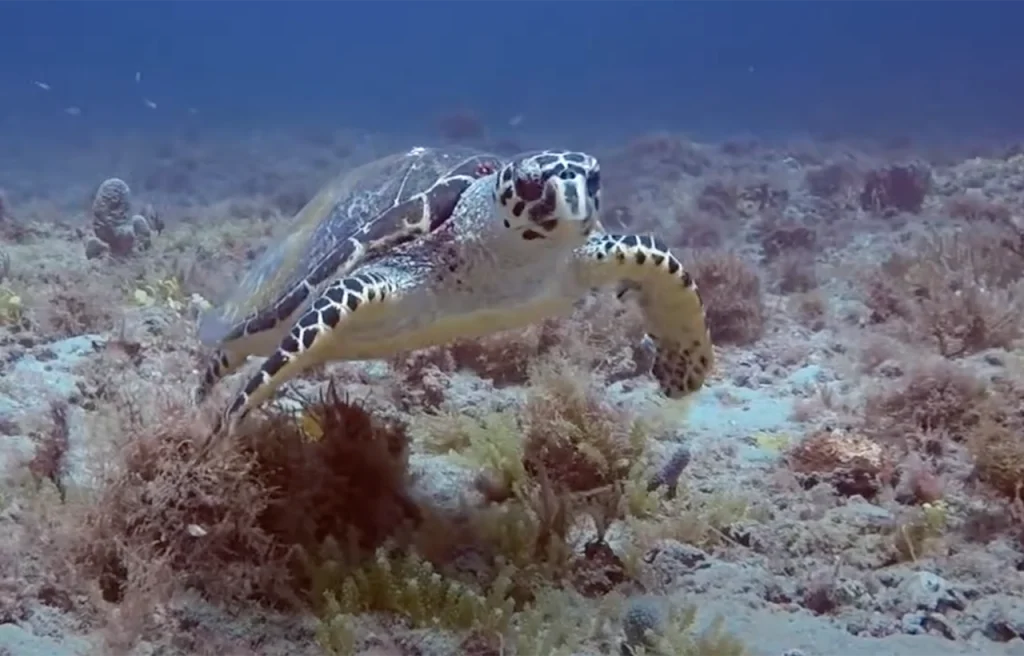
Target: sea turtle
[(420, 248)]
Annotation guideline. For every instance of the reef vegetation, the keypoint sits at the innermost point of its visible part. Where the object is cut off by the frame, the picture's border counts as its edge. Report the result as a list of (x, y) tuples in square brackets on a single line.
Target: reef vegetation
[(851, 475)]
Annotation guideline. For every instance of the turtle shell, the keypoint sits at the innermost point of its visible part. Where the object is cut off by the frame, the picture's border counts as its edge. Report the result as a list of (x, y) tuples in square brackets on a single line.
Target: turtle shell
[(362, 213)]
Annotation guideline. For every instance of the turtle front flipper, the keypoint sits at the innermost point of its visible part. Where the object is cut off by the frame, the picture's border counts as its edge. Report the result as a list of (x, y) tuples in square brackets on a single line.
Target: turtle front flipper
[(311, 341), (668, 296), (222, 363)]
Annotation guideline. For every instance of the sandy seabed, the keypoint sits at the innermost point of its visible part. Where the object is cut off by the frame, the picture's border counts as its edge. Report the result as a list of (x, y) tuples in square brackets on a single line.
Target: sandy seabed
[(847, 482)]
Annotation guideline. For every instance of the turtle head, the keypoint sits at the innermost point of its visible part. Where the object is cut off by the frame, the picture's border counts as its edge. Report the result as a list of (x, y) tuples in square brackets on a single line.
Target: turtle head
[(553, 195)]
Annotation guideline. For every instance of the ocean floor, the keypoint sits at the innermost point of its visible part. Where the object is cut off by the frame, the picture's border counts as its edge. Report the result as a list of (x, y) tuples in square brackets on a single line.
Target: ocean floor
[(847, 482)]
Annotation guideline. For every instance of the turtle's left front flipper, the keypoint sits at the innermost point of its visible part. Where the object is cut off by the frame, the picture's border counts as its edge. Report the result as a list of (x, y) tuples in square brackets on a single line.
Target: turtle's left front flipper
[(315, 337), (668, 296)]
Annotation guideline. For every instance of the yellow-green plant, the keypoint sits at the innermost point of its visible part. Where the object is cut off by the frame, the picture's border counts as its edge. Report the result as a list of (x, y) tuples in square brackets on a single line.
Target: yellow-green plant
[(701, 520), (11, 308), (558, 623), (407, 586), (678, 638), (166, 292), (641, 502), (336, 631), (927, 524), (772, 441), (493, 443)]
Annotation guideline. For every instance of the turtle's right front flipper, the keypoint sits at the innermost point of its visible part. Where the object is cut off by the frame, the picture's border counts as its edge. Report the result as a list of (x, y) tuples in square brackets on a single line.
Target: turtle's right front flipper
[(667, 294)]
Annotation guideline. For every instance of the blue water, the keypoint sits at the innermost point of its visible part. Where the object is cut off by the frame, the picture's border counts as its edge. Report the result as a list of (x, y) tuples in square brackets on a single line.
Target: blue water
[(612, 67)]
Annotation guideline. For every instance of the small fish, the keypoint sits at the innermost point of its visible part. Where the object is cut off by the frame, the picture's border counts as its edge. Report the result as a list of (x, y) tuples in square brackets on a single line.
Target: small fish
[(149, 103), (138, 77), (42, 85), (73, 111), (516, 120)]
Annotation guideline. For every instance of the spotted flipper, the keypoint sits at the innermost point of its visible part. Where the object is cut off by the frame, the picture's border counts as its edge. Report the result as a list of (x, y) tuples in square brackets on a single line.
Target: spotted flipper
[(643, 266), (311, 340), (222, 363)]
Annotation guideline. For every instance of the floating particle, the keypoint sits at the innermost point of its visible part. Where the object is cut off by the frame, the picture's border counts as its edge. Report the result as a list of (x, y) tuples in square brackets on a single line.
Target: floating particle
[(192, 111), (138, 77), (149, 103), (42, 85), (73, 111), (516, 120)]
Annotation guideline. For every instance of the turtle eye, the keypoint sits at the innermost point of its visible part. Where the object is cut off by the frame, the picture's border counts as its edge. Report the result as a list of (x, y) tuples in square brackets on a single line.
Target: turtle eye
[(529, 188), (594, 183)]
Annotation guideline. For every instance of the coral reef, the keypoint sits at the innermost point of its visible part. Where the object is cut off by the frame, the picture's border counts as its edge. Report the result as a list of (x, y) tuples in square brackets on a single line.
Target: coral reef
[(731, 289), (251, 502), (960, 292), (849, 481), (116, 230), (897, 188), (830, 180)]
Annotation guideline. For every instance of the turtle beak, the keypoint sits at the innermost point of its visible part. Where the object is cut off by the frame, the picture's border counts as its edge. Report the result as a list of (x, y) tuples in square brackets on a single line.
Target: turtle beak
[(574, 204)]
